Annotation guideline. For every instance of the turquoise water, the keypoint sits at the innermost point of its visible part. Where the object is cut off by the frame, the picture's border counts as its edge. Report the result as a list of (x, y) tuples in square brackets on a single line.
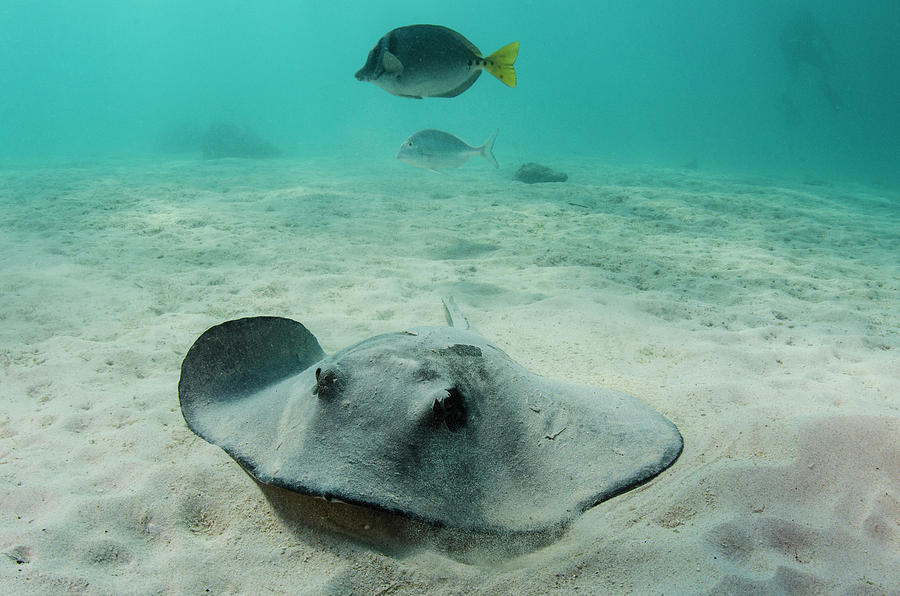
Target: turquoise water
[(724, 249), (650, 82)]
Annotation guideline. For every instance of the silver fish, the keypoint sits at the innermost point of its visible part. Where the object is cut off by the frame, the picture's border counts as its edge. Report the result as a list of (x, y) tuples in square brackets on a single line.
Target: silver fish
[(437, 150), (433, 61)]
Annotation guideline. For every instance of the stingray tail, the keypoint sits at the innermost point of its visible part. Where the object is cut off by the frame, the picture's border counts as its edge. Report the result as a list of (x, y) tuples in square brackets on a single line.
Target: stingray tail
[(487, 149), (500, 63), (455, 317)]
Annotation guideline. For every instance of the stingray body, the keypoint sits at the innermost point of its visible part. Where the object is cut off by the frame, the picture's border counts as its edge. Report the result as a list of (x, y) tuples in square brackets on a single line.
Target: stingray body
[(433, 423)]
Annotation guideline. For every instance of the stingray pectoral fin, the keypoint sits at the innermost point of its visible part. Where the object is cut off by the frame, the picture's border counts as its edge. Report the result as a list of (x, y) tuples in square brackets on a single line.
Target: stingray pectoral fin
[(500, 63), (242, 356)]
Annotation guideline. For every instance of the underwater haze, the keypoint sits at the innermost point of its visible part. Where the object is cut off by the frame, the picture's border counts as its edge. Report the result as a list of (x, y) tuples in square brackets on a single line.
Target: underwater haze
[(647, 82), (685, 213)]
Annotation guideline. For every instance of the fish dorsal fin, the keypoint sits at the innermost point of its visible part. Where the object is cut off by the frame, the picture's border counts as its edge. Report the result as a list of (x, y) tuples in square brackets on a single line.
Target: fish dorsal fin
[(390, 63), (459, 36)]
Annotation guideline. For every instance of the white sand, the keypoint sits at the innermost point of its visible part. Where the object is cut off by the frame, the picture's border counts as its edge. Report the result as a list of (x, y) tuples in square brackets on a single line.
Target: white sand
[(763, 318)]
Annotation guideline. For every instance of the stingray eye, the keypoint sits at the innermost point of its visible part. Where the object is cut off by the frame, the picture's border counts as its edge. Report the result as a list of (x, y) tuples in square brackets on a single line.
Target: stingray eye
[(326, 384), (450, 410)]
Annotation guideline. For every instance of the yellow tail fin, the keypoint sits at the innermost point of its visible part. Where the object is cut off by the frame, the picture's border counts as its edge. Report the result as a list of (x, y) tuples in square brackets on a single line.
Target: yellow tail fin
[(500, 63)]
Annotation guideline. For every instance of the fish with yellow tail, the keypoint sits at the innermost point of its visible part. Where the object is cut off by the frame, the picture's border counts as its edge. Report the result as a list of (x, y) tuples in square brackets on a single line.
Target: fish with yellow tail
[(433, 61)]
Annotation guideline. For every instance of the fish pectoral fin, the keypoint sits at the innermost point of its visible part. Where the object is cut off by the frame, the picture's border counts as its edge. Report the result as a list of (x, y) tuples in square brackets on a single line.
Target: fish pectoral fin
[(500, 63), (390, 63)]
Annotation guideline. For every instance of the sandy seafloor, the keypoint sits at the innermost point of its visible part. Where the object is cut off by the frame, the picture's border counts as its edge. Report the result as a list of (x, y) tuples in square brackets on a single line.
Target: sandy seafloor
[(762, 316)]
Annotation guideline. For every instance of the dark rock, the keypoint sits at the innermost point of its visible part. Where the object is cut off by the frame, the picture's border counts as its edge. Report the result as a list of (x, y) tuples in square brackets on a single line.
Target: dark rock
[(223, 139), (532, 173), (811, 180), (180, 138)]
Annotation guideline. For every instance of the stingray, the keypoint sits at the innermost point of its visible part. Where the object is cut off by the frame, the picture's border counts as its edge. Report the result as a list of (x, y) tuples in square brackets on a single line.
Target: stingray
[(433, 423)]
